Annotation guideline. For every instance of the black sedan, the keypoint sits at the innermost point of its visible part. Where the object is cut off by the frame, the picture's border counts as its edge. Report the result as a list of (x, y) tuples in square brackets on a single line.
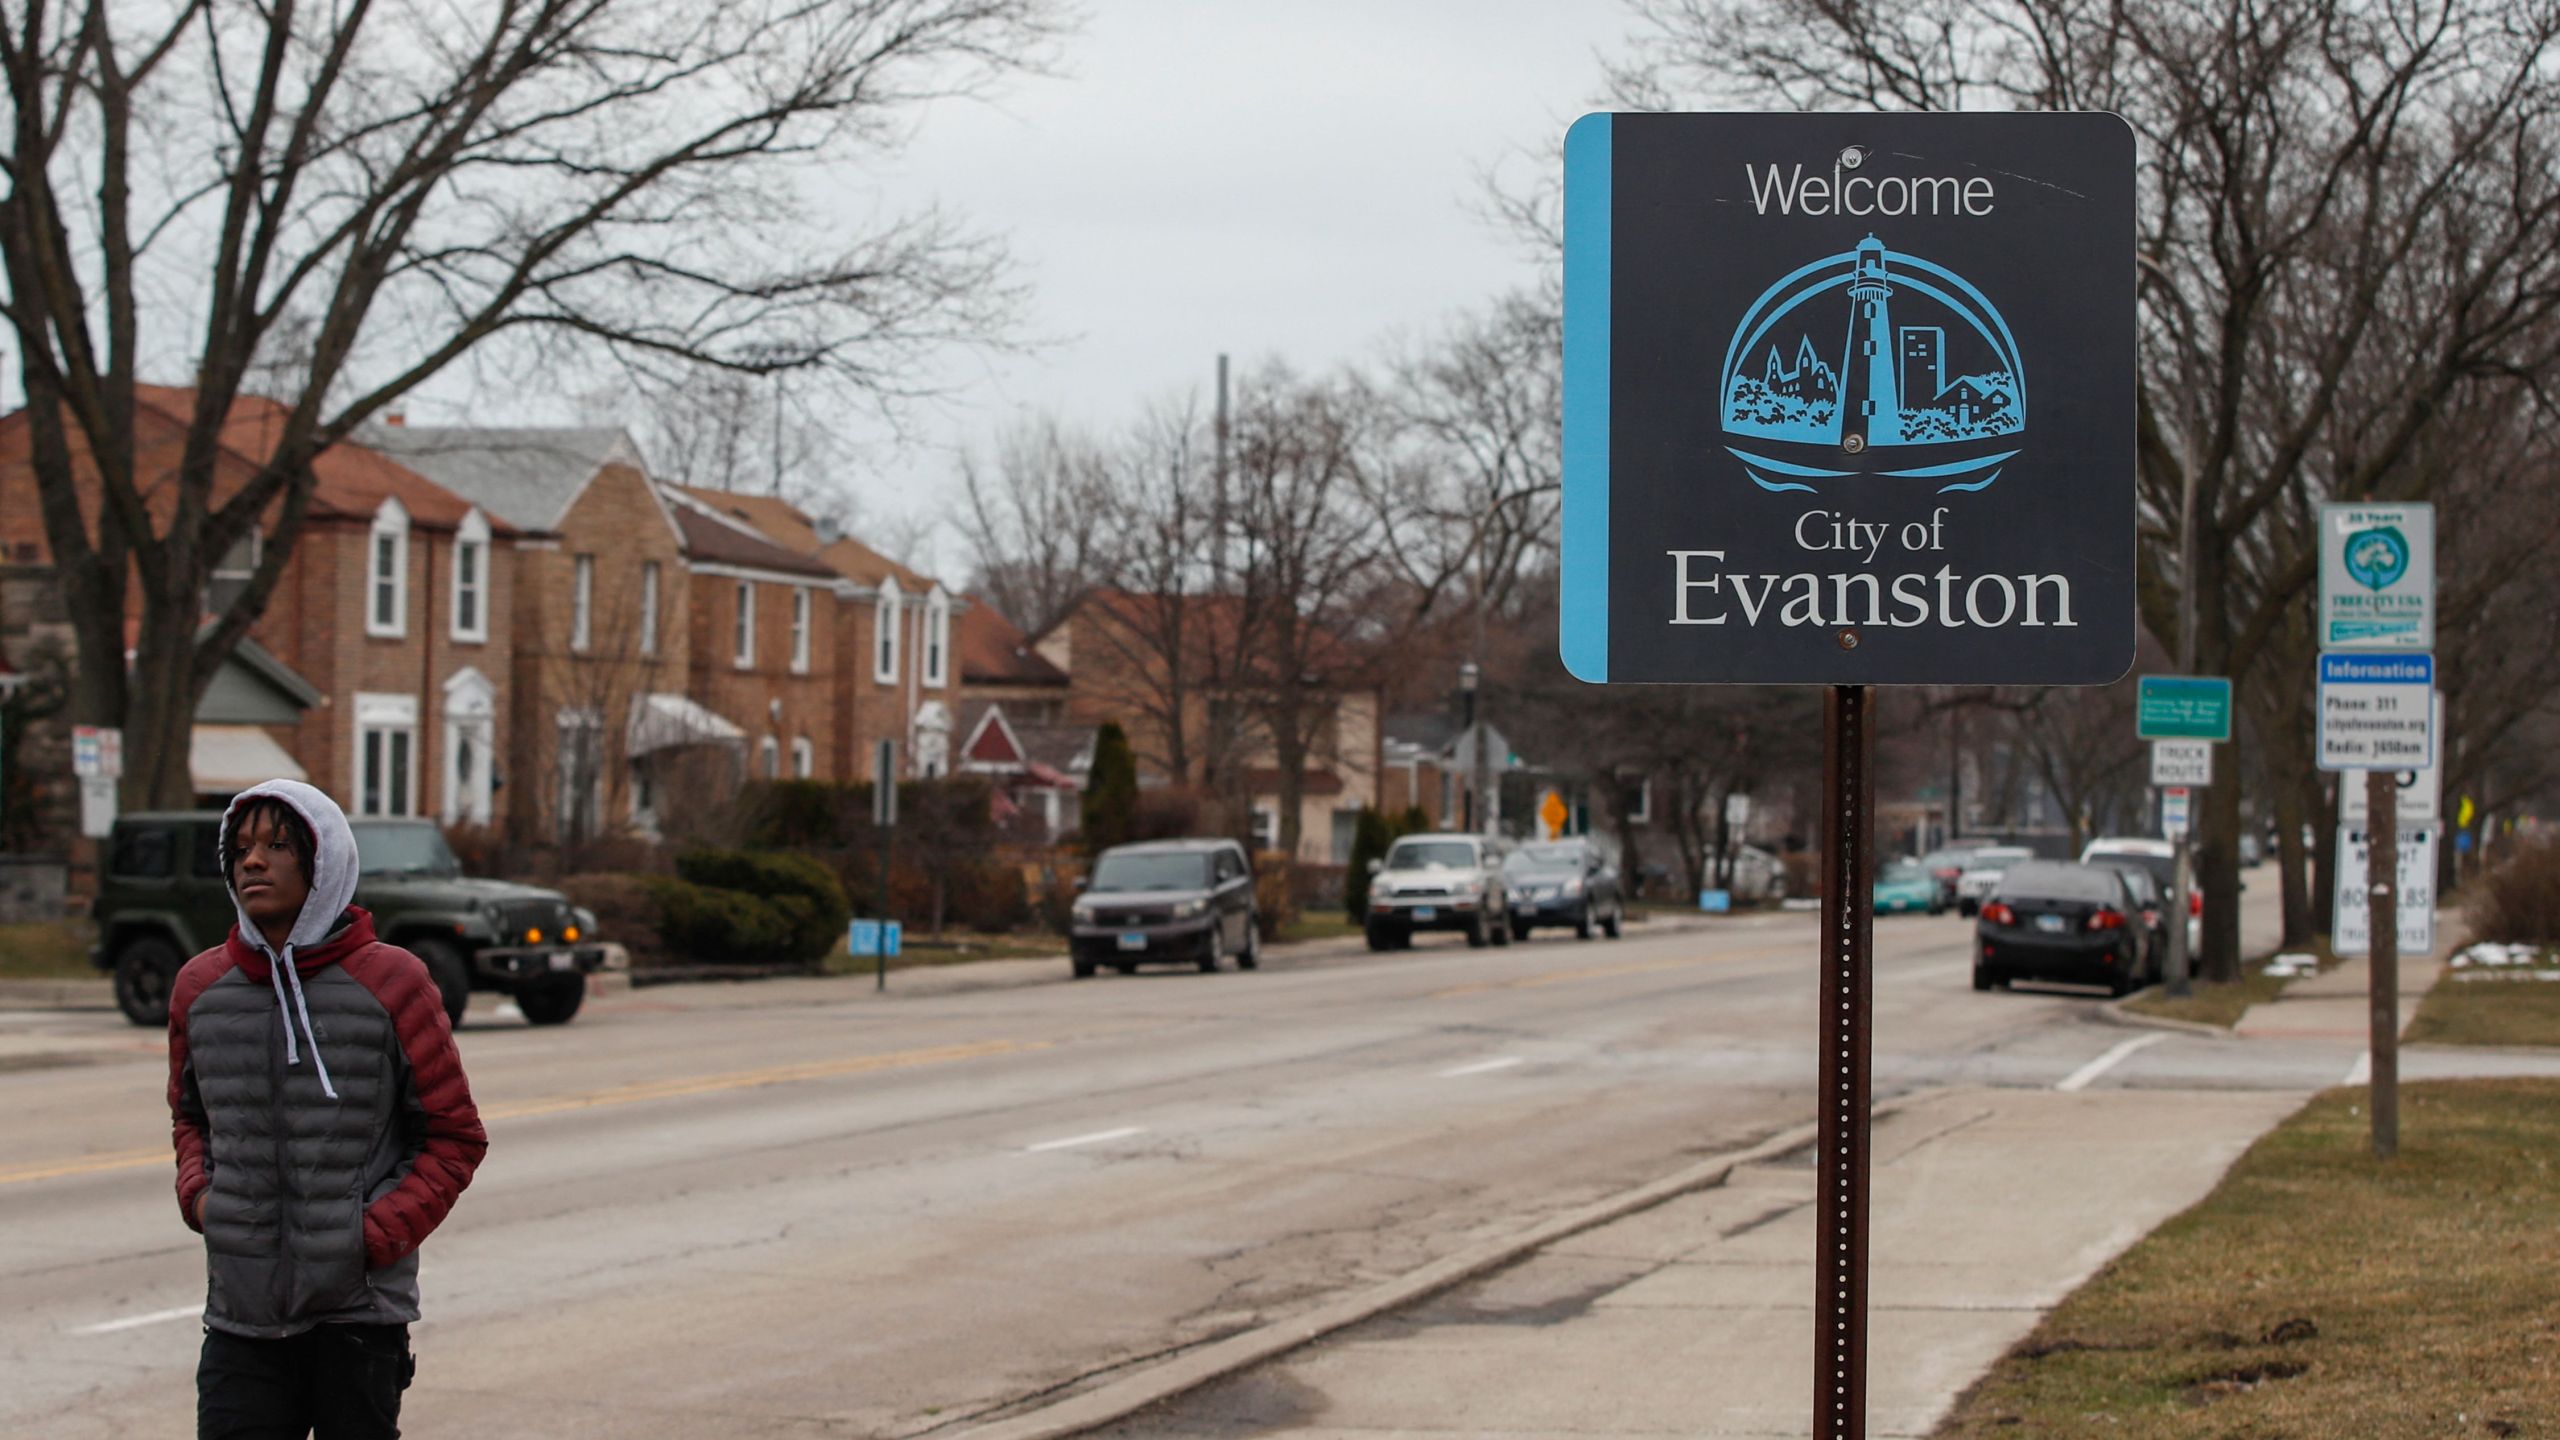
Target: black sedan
[(2078, 924)]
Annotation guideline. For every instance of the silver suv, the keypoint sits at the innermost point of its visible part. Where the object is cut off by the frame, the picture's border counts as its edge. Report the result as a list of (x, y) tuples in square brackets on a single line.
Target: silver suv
[(1439, 882)]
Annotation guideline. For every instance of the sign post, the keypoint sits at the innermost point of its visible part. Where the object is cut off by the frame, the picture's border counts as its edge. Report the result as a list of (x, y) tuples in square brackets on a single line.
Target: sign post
[(2184, 717), (2379, 714), (1821, 373), (884, 818)]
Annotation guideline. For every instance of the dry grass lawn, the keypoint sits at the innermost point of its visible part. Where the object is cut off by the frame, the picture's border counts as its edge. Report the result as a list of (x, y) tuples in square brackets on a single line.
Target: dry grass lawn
[(2318, 1294), (55, 951), (2498, 1011)]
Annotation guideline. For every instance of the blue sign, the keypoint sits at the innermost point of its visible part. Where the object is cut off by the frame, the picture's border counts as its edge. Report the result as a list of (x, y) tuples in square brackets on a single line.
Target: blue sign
[(1715, 902), (2377, 711), (1848, 399), (864, 938)]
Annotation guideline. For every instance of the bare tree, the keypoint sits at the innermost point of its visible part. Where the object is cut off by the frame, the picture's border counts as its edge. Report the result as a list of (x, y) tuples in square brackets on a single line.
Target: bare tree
[(1037, 522), (2347, 213), (1302, 539), (365, 194)]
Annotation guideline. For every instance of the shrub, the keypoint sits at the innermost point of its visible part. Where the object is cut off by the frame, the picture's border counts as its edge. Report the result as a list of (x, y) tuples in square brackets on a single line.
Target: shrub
[(1412, 822), (991, 898), (802, 893), (719, 927), (803, 814), (2518, 902), (1275, 899), (1111, 791), (626, 914)]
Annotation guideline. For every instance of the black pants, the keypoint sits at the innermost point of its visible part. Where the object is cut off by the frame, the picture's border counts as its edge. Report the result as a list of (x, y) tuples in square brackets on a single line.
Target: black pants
[(332, 1382)]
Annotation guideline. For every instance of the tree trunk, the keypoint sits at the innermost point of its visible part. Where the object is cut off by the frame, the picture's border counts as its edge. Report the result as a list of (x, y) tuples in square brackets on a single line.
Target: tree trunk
[(2292, 869), (159, 718)]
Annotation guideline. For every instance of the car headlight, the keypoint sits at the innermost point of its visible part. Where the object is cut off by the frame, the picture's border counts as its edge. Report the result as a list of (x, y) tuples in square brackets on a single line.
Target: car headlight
[(1471, 887), (1082, 909), (1190, 909), (1570, 888)]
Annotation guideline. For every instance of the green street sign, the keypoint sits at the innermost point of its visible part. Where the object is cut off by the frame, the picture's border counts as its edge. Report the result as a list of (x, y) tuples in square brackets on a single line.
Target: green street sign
[(2184, 707)]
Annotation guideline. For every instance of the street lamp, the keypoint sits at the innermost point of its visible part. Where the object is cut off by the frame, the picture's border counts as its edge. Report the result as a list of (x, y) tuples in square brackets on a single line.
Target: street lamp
[(1479, 814)]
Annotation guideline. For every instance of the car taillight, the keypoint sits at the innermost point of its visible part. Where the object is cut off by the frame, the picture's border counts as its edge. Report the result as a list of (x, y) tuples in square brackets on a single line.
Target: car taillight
[(1999, 914), (2195, 902), (2107, 920)]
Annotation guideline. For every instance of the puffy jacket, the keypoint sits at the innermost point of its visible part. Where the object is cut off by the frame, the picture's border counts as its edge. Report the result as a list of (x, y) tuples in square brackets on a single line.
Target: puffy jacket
[(328, 1135)]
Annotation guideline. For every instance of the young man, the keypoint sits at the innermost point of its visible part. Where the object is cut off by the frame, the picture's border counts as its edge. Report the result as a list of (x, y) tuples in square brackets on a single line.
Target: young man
[(323, 1129)]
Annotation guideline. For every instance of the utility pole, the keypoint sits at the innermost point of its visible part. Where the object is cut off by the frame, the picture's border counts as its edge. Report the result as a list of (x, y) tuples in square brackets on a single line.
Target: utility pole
[(1479, 810)]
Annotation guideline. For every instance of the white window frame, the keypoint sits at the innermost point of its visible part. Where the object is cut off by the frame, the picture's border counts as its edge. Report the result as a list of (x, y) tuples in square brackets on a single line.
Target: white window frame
[(769, 758), (885, 618), (1642, 814), (804, 758), (800, 617), (390, 523), (582, 603), (1265, 815), (743, 642), (470, 716), (385, 715), (471, 538), (937, 639), (648, 607)]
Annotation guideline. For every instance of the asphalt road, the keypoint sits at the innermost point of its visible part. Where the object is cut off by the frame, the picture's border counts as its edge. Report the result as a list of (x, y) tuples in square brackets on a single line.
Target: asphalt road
[(797, 1209)]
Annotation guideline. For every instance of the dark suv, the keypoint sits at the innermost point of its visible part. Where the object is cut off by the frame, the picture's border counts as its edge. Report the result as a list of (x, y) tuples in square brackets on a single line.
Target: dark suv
[(162, 900), (1189, 901)]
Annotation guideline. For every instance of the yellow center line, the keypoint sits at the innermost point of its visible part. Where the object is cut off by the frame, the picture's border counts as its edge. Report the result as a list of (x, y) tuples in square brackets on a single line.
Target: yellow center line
[(1612, 972), (631, 1094)]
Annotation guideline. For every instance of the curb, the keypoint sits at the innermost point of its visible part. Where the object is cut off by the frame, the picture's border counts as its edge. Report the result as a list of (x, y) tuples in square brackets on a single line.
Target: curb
[(57, 995), (1120, 1399), (2114, 1013)]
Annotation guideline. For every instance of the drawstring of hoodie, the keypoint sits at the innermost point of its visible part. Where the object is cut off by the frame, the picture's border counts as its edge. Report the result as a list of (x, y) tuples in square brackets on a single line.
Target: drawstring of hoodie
[(284, 972)]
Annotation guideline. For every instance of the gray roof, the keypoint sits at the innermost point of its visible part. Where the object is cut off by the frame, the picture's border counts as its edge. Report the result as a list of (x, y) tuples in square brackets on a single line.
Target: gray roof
[(526, 476)]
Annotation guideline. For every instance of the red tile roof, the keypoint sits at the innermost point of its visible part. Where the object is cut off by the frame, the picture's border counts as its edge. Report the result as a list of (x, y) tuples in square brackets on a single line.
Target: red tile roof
[(351, 480), (993, 652)]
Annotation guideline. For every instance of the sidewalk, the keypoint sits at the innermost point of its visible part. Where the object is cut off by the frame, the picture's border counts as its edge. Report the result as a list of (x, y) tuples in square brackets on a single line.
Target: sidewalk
[(2334, 1005), (1694, 1318)]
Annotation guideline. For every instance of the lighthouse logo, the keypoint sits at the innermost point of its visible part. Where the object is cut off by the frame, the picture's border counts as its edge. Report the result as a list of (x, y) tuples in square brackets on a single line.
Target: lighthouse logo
[(1873, 365)]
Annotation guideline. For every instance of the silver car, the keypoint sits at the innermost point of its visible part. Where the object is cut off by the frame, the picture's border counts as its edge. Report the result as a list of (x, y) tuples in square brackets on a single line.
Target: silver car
[(1982, 871), (1439, 882)]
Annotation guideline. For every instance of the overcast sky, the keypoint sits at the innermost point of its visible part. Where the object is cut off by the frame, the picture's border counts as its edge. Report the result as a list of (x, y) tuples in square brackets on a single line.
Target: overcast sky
[(1291, 179)]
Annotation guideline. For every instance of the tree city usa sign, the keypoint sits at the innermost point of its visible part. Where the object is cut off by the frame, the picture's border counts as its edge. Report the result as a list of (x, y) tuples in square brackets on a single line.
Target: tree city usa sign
[(1849, 399)]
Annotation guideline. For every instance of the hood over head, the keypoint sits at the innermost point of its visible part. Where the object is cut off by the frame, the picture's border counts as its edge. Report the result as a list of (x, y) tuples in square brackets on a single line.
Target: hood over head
[(333, 885), (333, 862)]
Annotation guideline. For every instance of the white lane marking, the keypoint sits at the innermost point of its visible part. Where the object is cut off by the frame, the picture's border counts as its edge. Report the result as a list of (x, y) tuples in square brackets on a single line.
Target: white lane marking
[(136, 1322), (2361, 1072), (1095, 1138), (1483, 1067), (2079, 1079)]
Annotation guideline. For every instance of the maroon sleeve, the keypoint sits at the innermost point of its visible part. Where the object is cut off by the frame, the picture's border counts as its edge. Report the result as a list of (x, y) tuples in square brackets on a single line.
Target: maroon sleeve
[(451, 1140), (186, 1105)]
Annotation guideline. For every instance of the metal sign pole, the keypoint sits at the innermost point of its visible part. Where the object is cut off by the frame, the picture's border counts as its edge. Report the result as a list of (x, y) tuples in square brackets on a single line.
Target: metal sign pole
[(2382, 877), (1848, 990)]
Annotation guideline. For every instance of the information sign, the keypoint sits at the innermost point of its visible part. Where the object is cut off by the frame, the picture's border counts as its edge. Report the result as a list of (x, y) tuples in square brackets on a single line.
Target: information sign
[(2174, 811), (1849, 399), (2181, 762), (97, 752), (2413, 892), (2182, 707), (2377, 577), (2377, 712), (2421, 801)]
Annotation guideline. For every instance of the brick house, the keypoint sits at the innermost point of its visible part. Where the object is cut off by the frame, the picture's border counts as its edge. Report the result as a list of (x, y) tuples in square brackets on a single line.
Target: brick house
[(386, 613), (765, 643), (1112, 646), (895, 671), (602, 624)]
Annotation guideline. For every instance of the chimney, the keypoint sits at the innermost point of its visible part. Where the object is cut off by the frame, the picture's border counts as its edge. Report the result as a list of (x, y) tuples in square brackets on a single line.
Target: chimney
[(829, 532), (396, 419)]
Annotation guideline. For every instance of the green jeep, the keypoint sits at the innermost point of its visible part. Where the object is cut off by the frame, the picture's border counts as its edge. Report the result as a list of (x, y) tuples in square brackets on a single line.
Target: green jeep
[(162, 900)]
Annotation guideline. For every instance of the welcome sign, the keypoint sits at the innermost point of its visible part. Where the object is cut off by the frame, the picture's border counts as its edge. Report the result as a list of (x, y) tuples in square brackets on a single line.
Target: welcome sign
[(1849, 399), (2377, 577)]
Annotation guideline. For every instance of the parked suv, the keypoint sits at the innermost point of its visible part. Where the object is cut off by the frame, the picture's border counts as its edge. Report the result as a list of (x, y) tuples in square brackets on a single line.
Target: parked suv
[(1439, 882), (162, 900), (1180, 900)]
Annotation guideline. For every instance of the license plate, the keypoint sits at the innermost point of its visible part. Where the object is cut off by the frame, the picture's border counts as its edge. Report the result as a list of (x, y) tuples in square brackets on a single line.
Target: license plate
[(2052, 924), (1425, 913), (563, 960), (1133, 941)]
